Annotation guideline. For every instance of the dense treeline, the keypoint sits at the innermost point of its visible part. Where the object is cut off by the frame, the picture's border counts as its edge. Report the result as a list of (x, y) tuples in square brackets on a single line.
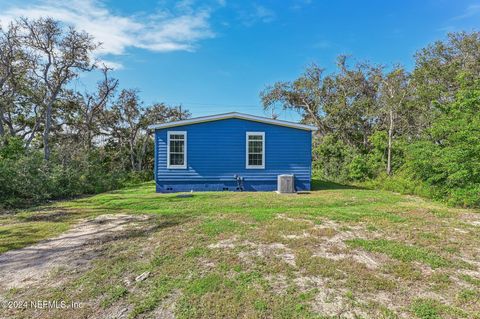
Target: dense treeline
[(57, 141), (414, 132)]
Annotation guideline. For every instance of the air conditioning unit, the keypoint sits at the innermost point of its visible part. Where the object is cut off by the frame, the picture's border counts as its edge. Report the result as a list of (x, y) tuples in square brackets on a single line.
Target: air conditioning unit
[(285, 184)]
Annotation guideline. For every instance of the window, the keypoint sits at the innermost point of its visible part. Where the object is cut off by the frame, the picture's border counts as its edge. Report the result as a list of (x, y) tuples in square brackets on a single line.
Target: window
[(255, 150), (177, 150)]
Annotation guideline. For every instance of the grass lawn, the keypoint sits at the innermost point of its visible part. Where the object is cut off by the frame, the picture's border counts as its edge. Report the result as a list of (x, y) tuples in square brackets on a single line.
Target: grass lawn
[(334, 252)]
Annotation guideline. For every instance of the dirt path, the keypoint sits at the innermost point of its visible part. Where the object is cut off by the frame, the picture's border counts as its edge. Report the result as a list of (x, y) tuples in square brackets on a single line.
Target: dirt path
[(74, 248)]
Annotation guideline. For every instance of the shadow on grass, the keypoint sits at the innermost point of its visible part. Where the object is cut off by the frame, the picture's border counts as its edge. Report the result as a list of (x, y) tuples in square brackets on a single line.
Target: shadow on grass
[(152, 225), (318, 184), (54, 216), (30, 234)]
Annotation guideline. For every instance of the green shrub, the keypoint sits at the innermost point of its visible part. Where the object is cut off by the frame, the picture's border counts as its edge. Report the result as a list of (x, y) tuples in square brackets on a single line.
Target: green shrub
[(359, 169), (332, 157), (400, 183), (26, 178), (448, 157)]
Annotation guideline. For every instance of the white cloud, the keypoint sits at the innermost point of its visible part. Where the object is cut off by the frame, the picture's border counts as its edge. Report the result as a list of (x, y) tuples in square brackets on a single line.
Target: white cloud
[(176, 33), (470, 11), (158, 31), (264, 14), (257, 13), (300, 4), (110, 64)]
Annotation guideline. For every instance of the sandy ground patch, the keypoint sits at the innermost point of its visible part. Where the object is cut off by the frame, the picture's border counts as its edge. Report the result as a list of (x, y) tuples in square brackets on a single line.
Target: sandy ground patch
[(333, 246), (74, 248), (226, 243)]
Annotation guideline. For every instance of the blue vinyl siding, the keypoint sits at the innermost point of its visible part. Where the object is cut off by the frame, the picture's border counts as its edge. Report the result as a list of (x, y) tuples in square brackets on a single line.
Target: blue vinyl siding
[(216, 152)]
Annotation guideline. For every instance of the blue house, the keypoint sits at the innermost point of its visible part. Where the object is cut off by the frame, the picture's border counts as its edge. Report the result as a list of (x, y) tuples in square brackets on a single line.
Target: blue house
[(231, 152)]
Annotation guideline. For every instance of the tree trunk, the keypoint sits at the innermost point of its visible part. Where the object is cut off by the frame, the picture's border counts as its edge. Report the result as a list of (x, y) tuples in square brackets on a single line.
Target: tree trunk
[(132, 155), (144, 150), (2, 130), (389, 150), (89, 132), (48, 119), (46, 131), (32, 134)]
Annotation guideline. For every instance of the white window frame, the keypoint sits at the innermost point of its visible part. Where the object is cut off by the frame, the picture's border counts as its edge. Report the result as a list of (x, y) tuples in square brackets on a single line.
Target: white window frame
[(184, 166), (263, 150)]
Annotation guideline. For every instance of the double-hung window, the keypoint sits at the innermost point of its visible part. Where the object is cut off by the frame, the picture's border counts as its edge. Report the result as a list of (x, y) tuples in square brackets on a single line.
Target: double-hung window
[(177, 149), (255, 155)]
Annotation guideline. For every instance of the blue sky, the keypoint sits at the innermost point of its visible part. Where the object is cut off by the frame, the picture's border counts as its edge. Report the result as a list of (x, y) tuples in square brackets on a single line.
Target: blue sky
[(216, 56)]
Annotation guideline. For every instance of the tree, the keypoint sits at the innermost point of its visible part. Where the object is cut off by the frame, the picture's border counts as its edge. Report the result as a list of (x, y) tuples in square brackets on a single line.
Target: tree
[(128, 122), (341, 103), (61, 55), (352, 112), (447, 156), (8, 55), (15, 62), (308, 94), (394, 91), (91, 140), (438, 67), (92, 106)]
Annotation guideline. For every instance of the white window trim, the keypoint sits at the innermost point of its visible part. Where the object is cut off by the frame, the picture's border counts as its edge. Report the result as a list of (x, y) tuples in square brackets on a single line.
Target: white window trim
[(263, 151), (184, 166)]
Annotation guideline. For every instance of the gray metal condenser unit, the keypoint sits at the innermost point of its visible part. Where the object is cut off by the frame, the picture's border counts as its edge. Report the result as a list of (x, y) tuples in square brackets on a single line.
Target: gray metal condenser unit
[(285, 184)]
